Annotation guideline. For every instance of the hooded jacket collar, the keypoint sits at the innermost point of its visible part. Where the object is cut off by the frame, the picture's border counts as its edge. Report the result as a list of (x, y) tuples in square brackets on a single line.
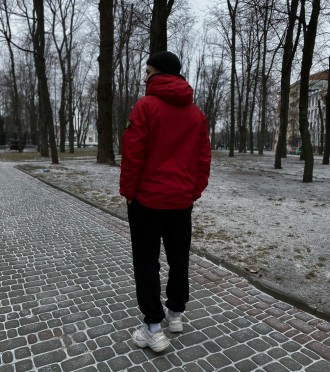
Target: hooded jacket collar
[(170, 88)]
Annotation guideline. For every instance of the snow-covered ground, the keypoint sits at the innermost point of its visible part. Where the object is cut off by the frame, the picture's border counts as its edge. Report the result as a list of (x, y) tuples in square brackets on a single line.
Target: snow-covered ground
[(262, 220)]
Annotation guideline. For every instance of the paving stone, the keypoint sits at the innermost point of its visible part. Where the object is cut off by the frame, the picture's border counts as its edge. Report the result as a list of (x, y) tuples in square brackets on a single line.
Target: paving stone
[(162, 364), (120, 363), (51, 368), (121, 348), (100, 330), (46, 346), (244, 335), (241, 322), (302, 326), (12, 344), (325, 327), (218, 360), (192, 338), (191, 353), (119, 336), (277, 353), (278, 337), (226, 341), (212, 332), (103, 354), (193, 367), (277, 324), (75, 309), (320, 335), (7, 357), (291, 364), (238, 352), (134, 369), (291, 346), (227, 369), (233, 300), (78, 362), (49, 358), (275, 367), (258, 345), (322, 350), (206, 366), (32, 328), (24, 365), (137, 357), (320, 366), (246, 366), (261, 359), (302, 358), (174, 359), (77, 349)]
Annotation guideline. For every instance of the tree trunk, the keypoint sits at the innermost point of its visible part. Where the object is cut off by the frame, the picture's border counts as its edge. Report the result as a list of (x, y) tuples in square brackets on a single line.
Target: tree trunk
[(158, 27), (307, 58), (288, 54), (326, 154), (6, 31), (264, 95), (232, 13), (70, 105), (321, 138), (47, 125), (105, 152), (61, 111)]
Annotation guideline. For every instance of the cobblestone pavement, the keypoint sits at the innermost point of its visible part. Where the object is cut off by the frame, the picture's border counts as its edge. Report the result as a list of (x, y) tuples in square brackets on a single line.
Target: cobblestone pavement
[(68, 299)]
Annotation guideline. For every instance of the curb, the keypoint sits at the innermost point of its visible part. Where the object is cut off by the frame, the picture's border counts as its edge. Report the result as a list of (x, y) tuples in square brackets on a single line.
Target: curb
[(261, 284), (267, 287)]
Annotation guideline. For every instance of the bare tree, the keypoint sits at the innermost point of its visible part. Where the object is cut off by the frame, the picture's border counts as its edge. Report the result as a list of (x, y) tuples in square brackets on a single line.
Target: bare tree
[(321, 136), (309, 31), (124, 62), (232, 13), (210, 91), (7, 33), (158, 27), (289, 51), (105, 84), (46, 114), (250, 49), (265, 10), (326, 154), (64, 14)]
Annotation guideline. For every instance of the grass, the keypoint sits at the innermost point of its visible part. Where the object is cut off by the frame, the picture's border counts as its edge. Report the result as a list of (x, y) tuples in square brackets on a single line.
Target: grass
[(310, 275), (35, 155)]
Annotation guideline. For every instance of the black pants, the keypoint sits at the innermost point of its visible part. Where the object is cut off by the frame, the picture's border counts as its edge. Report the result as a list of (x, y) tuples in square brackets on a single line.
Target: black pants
[(147, 227)]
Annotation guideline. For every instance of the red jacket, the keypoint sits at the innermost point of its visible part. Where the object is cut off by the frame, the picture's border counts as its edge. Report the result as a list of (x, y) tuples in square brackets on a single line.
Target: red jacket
[(166, 151)]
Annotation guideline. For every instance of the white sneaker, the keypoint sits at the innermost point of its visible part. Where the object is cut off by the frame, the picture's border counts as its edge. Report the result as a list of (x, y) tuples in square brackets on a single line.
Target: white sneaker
[(156, 341), (174, 322)]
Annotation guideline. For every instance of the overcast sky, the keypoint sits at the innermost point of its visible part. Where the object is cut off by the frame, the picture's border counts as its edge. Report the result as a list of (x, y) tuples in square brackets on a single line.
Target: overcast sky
[(200, 5)]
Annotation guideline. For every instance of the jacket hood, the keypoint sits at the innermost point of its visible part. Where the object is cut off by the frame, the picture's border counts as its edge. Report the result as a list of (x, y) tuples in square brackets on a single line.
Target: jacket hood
[(170, 88)]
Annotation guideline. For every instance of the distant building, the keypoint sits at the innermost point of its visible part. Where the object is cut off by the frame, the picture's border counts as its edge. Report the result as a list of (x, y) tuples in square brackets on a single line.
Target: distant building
[(318, 85)]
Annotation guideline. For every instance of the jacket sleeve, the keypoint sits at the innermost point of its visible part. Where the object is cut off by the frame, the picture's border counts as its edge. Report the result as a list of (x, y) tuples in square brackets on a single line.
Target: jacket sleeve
[(133, 150), (204, 162)]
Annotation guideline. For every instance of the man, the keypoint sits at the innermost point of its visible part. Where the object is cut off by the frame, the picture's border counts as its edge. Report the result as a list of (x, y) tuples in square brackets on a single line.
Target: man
[(165, 167)]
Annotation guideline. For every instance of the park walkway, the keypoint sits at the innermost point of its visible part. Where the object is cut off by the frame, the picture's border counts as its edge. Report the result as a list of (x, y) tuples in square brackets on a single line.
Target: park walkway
[(68, 300)]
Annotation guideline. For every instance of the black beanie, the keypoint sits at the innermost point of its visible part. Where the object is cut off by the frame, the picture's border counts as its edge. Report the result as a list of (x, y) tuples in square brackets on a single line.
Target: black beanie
[(166, 62)]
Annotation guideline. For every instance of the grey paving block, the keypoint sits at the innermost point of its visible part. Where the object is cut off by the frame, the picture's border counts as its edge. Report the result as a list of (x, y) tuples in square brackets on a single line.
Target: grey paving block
[(239, 352), (68, 300), (320, 366)]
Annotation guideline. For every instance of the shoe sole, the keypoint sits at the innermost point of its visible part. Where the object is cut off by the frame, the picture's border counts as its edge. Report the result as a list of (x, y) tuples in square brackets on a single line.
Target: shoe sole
[(155, 348), (175, 328)]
